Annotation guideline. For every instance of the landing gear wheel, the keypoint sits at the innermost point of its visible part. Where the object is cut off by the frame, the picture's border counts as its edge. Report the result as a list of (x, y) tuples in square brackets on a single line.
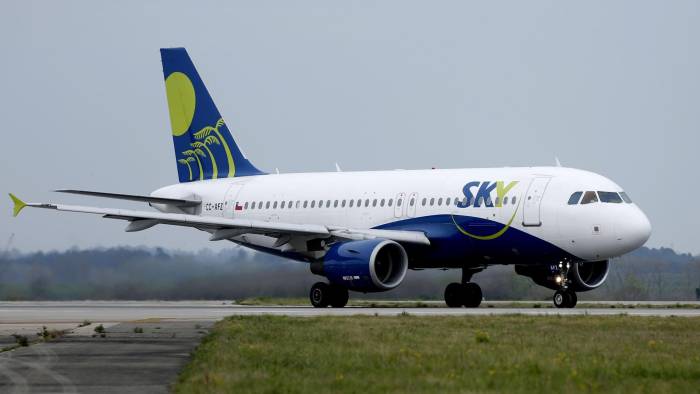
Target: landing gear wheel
[(471, 295), (320, 295), (565, 298), (573, 300), (453, 295), (339, 296)]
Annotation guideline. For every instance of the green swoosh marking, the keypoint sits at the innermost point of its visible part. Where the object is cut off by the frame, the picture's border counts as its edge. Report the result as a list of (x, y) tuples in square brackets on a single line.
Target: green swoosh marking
[(487, 237)]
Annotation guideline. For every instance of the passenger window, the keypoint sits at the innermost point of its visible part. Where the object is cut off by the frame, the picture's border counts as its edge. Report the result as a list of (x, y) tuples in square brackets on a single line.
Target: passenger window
[(298, 204), (252, 206), (399, 202), (306, 203), (381, 203), (626, 198), (589, 198), (512, 200), (274, 206), (342, 204), (425, 200), (313, 203), (359, 202), (488, 201), (391, 201), (573, 200), (412, 202), (374, 203), (352, 202), (245, 206), (367, 202), (432, 201), (456, 201), (290, 204), (439, 201), (328, 204), (610, 197), (335, 204), (505, 200)]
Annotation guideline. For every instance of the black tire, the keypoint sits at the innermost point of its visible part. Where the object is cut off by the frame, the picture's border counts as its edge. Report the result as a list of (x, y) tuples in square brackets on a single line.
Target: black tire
[(565, 299), (339, 296), (453, 295), (320, 295), (472, 295), (573, 299)]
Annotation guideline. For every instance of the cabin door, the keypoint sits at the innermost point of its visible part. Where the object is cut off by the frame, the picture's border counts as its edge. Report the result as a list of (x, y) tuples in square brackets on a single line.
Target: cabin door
[(533, 201), (399, 205), (232, 207)]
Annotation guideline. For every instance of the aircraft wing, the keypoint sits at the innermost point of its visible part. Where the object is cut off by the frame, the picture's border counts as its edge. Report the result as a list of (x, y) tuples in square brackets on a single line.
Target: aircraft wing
[(132, 197), (224, 228)]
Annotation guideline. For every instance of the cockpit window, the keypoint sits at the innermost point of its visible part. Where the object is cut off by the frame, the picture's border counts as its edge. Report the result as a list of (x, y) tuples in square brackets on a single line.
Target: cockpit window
[(589, 197), (573, 200), (610, 197), (626, 198)]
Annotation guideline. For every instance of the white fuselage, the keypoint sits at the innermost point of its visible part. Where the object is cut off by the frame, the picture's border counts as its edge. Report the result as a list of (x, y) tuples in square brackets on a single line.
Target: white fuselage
[(531, 203)]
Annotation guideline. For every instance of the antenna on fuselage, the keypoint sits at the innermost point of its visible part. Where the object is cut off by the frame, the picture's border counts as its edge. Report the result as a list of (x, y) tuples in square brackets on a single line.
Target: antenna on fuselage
[(337, 168), (557, 162)]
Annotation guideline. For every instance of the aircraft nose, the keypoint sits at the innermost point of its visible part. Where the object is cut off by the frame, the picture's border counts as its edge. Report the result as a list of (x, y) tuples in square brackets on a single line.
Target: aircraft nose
[(638, 230)]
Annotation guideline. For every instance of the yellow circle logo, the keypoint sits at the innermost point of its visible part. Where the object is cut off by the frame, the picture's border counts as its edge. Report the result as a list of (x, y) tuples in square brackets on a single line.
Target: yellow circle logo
[(181, 102)]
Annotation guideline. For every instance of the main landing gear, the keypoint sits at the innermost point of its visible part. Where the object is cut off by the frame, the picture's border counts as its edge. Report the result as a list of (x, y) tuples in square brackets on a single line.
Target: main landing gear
[(322, 295), (466, 294), (564, 297)]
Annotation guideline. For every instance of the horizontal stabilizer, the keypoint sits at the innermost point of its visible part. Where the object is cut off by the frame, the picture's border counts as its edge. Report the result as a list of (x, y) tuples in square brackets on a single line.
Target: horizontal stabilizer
[(131, 197)]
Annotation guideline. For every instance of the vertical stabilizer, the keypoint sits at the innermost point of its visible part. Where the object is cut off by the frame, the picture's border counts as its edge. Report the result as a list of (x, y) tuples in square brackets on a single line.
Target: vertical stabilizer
[(204, 147)]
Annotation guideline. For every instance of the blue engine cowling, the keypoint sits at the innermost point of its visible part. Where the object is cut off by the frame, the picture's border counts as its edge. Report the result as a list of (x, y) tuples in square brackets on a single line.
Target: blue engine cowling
[(368, 266)]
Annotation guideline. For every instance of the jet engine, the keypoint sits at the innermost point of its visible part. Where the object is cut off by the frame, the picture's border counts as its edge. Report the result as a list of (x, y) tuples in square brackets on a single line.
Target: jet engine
[(582, 276), (368, 266)]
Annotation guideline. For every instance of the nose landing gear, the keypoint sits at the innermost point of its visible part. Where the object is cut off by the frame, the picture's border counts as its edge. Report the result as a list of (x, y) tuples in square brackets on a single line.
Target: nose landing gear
[(564, 297)]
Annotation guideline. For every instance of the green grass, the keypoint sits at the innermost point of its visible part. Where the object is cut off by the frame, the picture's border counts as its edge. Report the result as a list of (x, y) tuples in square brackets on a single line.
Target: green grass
[(364, 354)]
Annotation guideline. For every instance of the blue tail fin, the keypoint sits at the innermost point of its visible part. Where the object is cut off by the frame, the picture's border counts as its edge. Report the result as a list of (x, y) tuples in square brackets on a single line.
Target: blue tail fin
[(204, 147)]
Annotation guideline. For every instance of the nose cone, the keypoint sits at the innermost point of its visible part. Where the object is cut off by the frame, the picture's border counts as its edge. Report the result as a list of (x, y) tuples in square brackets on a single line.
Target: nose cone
[(637, 230)]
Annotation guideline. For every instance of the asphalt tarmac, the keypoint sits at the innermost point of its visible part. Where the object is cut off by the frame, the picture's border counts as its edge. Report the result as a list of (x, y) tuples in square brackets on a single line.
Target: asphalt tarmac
[(33, 313), (146, 344)]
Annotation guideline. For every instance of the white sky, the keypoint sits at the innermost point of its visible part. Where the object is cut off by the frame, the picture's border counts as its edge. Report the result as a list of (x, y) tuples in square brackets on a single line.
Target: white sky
[(611, 87)]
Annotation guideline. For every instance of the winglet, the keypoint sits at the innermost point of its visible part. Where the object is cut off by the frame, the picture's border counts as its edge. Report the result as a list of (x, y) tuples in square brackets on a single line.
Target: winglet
[(19, 204)]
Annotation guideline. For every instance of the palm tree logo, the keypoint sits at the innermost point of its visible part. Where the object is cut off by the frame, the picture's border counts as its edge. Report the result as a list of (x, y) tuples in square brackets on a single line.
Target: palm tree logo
[(210, 140), (207, 131), (186, 161), (196, 152)]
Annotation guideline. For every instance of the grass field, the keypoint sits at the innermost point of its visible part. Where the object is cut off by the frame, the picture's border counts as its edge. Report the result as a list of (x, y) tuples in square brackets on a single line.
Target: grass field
[(364, 354)]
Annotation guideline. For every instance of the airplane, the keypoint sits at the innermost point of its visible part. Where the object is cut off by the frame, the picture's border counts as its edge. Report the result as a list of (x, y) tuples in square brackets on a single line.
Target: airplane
[(362, 231)]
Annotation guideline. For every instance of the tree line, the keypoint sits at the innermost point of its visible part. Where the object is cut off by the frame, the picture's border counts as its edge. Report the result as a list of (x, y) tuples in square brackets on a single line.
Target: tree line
[(143, 273)]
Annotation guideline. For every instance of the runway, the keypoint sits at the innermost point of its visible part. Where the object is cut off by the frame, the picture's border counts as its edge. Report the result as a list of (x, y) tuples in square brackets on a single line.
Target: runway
[(20, 313)]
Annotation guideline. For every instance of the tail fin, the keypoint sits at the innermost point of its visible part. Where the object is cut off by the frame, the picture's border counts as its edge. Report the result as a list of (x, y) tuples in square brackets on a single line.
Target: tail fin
[(204, 147)]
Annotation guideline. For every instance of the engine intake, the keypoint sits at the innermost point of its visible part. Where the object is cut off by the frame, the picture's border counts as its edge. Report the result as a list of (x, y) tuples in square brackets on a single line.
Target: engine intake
[(582, 276), (588, 275), (369, 266)]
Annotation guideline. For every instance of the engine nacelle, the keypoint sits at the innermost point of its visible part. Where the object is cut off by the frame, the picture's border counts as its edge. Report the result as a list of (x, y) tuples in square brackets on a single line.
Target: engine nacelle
[(583, 276), (369, 266)]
